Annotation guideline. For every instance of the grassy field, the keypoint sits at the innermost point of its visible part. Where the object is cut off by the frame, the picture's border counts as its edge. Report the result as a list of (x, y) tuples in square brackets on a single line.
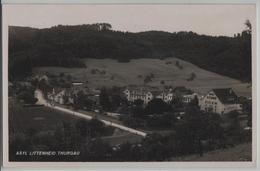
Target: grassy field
[(108, 72), (41, 119), (45, 120), (38, 118), (242, 152)]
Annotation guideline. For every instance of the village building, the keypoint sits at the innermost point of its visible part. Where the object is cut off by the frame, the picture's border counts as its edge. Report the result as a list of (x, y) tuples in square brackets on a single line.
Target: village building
[(68, 95), (187, 98), (220, 101), (147, 93), (60, 96), (186, 95)]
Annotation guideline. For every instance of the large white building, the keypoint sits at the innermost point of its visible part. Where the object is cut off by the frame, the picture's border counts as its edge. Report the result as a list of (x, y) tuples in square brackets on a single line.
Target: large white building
[(147, 94), (220, 101)]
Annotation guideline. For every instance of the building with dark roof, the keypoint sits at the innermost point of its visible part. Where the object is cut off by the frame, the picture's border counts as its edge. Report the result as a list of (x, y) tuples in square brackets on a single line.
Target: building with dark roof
[(223, 100)]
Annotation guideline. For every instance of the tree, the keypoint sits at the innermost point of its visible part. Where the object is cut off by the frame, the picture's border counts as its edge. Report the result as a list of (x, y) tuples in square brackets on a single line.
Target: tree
[(116, 100), (234, 133), (162, 82), (138, 111), (156, 148), (177, 102), (190, 131), (147, 79), (27, 97), (97, 127), (195, 101), (20, 67), (246, 51), (248, 27), (157, 106), (162, 121), (192, 77), (213, 131), (104, 100), (105, 26), (69, 77)]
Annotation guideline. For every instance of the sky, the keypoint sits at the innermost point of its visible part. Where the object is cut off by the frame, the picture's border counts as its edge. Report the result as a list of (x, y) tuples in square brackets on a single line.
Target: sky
[(215, 20)]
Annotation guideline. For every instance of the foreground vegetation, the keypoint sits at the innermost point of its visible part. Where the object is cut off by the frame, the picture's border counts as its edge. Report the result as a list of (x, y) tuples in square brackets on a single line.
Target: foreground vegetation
[(40, 128), (197, 133), (241, 152)]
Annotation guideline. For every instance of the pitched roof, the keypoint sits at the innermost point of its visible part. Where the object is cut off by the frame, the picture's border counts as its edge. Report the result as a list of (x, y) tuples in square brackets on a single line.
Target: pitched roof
[(226, 95)]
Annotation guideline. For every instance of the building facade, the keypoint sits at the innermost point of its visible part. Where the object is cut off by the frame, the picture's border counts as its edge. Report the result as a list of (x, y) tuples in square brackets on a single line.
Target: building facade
[(68, 96), (220, 101), (146, 94)]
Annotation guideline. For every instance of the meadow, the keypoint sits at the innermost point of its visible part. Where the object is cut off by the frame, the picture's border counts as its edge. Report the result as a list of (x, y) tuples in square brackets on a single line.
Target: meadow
[(109, 72)]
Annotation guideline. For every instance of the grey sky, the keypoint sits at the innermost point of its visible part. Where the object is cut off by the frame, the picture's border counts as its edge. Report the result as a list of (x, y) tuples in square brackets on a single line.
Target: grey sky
[(203, 19)]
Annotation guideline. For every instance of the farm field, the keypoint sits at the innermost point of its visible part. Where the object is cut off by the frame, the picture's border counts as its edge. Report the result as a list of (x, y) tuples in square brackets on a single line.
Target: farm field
[(109, 72), (241, 152)]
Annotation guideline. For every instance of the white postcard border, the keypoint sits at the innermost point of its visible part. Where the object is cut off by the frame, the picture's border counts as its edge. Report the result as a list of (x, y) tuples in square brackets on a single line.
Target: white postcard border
[(131, 165)]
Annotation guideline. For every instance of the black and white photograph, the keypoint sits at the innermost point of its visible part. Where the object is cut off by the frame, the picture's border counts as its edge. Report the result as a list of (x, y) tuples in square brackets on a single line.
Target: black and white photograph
[(130, 82)]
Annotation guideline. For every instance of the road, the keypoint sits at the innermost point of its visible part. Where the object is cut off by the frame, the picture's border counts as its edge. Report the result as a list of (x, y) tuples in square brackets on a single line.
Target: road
[(41, 100)]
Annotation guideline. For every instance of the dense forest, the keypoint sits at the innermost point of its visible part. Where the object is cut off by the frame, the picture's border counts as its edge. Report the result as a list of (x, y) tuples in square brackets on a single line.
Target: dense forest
[(67, 45)]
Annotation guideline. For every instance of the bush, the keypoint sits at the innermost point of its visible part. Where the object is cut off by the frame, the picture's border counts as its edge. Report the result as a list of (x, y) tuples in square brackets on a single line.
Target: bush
[(162, 82), (157, 106), (162, 121), (192, 77), (27, 97)]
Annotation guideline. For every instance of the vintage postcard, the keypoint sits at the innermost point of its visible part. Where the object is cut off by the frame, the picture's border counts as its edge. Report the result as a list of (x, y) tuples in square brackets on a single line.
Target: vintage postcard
[(148, 84)]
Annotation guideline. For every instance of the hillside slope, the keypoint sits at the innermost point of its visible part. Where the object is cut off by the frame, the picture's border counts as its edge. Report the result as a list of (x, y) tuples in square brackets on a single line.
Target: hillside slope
[(66, 45), (108, 72)]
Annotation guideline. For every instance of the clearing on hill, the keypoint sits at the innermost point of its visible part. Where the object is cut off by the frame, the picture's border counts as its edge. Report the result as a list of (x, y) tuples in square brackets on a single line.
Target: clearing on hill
[(155, 72)]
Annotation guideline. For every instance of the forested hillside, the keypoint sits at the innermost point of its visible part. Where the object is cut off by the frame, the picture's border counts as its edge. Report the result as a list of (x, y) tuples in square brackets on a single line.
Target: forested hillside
[(67, 45)]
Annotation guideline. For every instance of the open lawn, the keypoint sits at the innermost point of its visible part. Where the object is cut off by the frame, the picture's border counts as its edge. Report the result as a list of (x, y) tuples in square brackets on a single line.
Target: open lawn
[(109, 72), (242, 152)]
